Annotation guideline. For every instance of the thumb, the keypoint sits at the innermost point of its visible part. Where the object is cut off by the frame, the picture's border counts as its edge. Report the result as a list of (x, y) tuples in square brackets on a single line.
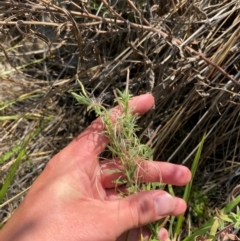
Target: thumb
[(141, 209)]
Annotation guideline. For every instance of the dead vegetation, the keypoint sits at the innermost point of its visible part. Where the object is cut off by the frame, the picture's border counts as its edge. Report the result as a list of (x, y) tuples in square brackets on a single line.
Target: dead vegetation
[(187, 53)]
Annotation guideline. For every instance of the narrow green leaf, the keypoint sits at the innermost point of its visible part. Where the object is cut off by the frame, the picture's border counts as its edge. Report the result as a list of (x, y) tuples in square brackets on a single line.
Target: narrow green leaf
[(188, 188), (214, 228), (5, 73), (22, 151), (10, 153), (12, 172)]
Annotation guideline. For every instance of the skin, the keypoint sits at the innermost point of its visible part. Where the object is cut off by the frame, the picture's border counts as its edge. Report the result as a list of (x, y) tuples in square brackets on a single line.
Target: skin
[(74, 198)]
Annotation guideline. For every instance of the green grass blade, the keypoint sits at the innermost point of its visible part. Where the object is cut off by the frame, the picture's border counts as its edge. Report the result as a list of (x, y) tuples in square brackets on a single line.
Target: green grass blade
[(188, 188), (201, 231), (10, 153), (172, 219), (6, 104), (10, 117), (5, 73), (11, 173), (230, 206), (22, 151)]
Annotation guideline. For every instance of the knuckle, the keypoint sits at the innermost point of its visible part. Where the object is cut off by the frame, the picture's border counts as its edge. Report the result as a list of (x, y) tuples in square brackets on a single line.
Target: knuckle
[(135, 211), (141, 211)]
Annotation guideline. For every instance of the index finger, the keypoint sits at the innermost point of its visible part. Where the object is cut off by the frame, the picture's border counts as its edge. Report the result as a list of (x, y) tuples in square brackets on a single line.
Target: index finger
[(90, 143)]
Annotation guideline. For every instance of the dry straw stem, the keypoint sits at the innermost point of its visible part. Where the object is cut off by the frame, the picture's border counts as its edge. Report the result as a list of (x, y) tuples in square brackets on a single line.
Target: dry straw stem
[(175, 41)]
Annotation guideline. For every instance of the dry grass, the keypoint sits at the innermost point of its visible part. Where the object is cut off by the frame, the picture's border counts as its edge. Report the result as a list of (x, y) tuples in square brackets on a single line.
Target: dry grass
[(187, 53)]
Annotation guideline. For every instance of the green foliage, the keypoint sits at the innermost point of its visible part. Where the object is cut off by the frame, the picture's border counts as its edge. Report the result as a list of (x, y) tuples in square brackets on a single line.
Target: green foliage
[(123, 141), (21, 149), (219, 221), (188, 187), (124, 144), (235, 217), (10, 153), (199, 205)]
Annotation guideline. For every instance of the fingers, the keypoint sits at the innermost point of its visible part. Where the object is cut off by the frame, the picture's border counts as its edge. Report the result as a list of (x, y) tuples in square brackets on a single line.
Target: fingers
[(147, 171), (146, 207), (91, 142), (150, 171)]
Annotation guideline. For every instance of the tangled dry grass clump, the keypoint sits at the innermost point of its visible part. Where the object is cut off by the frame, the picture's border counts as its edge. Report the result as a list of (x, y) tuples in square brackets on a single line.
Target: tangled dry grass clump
[(187, 53)]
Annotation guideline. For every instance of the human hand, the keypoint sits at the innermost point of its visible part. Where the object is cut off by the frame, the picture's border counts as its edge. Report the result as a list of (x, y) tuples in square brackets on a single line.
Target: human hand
[(75, 199)]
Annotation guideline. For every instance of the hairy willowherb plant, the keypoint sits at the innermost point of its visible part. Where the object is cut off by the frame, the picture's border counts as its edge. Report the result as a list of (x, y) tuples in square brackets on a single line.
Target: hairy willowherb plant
[(124, 144)]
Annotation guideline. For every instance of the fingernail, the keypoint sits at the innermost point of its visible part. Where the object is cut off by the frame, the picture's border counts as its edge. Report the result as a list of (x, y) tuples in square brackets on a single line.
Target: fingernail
[(164, 204)]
